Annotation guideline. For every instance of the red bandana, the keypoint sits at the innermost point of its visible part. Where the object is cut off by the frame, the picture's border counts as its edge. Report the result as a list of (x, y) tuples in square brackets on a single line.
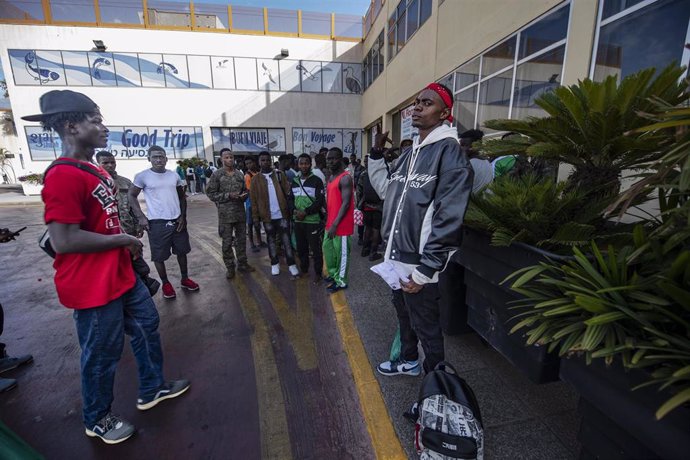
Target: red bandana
[(447, 98)]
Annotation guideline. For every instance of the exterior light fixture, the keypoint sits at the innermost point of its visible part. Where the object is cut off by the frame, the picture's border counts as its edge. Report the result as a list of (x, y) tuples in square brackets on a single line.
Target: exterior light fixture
[(99, 45)]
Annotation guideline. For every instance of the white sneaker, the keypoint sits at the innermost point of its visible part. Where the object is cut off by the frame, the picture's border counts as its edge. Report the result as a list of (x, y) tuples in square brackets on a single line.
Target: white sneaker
[(400, 367), (275, 269), (294, 271)]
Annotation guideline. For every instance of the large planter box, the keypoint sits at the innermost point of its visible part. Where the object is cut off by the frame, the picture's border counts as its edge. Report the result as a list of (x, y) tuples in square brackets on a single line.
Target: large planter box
[(618, 423), (489, 301), (451, 284), (31, 189)]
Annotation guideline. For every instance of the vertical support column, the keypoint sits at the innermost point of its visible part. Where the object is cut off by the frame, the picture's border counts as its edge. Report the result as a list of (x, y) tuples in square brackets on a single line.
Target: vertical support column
[(265, 20), (47, 15), (332, 26), (192, 16), (97, 10), (146, 13), (299, 23), (229, 18)]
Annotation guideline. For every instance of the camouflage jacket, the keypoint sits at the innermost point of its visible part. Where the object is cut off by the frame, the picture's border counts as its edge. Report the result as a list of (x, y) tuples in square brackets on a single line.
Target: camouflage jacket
[(220, 187), (128, 222)]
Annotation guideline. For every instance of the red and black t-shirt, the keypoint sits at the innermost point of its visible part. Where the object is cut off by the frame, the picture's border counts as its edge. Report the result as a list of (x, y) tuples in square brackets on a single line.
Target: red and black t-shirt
[(73, 196)]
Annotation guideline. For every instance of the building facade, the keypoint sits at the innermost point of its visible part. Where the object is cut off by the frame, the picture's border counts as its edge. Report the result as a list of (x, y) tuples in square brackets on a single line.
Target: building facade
[(196, 78), (498, 56)]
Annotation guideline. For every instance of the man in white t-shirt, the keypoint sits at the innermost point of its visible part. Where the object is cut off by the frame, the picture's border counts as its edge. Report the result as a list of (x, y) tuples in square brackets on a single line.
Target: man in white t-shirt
[(166, 224)]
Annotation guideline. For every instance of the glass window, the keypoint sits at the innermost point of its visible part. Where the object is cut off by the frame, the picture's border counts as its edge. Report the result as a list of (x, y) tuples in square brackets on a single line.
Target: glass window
[(311, 76), (612, 7), (289, 75), (546, 32), (467, 74), (499, 57), (122, 11), (151, 72), (316, 23), (653, 36), (245, 73), (494, 97), (22, 9), (174, 14), (412, 18), (247, 18), (73, 10), (332, 77), (103, 70), (77, 68), (464, 108), (41, 143), (210, 16), (200, 72), (223, 70), (534, 78), (352, 74), (391, 42), (447, 81), (425, 11), (280, 20), (401, 30), (127, 69), (51, 68), (268, 74), (174, 66)]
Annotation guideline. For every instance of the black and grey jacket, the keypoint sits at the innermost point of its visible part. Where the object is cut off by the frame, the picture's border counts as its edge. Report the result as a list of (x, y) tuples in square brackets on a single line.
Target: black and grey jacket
[(426, 195)]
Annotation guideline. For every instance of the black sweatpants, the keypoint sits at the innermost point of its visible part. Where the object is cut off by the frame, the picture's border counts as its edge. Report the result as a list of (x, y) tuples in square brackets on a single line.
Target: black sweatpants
[(309, 236), (425, 314)]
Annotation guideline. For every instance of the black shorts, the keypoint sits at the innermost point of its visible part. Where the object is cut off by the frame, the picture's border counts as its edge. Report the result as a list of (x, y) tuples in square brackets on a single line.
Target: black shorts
[(373, 219), (164, 240)]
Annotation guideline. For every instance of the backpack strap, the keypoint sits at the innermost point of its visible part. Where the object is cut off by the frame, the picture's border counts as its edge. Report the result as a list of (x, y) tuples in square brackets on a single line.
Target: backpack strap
[(81, 166)]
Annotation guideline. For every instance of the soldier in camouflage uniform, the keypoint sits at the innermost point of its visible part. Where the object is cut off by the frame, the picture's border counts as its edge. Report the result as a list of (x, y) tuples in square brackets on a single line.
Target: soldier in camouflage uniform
[(128, 223), (227, 189)]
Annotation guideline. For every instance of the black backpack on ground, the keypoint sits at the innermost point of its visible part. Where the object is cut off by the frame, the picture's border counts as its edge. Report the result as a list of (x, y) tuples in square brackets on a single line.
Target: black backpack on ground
[(449, 423)]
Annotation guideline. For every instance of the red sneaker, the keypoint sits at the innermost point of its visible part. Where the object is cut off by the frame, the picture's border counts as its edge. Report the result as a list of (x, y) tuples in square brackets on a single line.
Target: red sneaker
[(168, 291), (189, 285)]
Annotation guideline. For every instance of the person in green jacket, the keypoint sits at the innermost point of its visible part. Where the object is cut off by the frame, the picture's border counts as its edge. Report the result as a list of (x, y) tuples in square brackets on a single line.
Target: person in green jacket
[(307, 189)]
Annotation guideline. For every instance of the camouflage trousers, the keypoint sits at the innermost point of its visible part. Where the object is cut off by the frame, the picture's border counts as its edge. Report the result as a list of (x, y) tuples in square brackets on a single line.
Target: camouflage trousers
[(233, 234)]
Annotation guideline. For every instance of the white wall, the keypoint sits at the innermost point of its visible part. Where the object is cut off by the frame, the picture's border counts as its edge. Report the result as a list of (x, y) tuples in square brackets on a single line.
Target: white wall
[(184, 106)]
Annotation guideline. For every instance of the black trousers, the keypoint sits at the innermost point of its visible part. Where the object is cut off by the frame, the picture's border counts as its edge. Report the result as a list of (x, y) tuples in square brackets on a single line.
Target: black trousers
[(309, 236), (408, 338), (425, 314), (279, 228)]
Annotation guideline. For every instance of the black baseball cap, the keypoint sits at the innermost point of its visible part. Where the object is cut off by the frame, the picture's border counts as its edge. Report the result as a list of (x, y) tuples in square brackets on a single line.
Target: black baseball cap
[(58, 101)]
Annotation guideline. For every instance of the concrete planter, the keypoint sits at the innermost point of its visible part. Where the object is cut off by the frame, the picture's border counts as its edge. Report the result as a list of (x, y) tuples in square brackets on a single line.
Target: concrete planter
[(31, 189)]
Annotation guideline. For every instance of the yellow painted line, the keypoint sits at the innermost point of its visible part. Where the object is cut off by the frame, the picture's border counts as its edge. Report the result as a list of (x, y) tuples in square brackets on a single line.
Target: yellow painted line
[(275, 437), (298, 323), (379, 424)]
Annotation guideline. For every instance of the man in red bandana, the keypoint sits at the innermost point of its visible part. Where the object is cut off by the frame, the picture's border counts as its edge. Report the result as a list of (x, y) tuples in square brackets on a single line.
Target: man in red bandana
[(425, 198)]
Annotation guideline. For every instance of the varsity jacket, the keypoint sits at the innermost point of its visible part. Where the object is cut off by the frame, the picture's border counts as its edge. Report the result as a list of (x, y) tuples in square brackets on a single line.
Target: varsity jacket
[(425, 199)]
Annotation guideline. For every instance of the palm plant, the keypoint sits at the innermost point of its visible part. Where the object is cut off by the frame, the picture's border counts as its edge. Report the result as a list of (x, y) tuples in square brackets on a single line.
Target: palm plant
[(588, 125), (538, 212)]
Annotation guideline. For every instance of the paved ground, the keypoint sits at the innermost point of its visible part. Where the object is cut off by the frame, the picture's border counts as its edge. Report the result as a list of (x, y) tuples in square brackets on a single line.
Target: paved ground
[(279, 369)]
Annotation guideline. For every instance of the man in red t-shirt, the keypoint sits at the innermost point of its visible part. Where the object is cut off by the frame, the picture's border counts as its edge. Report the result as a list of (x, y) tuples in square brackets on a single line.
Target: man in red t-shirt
[(340, 221), (93, 268)]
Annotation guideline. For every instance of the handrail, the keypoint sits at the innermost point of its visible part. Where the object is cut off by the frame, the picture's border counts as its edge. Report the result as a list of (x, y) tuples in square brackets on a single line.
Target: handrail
[(19, 15)]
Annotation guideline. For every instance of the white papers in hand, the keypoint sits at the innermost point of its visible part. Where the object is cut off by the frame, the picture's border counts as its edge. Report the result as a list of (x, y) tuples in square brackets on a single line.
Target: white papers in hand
[(390, 274)]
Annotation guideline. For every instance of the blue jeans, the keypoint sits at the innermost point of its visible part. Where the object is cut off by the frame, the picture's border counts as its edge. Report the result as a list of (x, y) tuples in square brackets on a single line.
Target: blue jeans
[(101, 332)]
